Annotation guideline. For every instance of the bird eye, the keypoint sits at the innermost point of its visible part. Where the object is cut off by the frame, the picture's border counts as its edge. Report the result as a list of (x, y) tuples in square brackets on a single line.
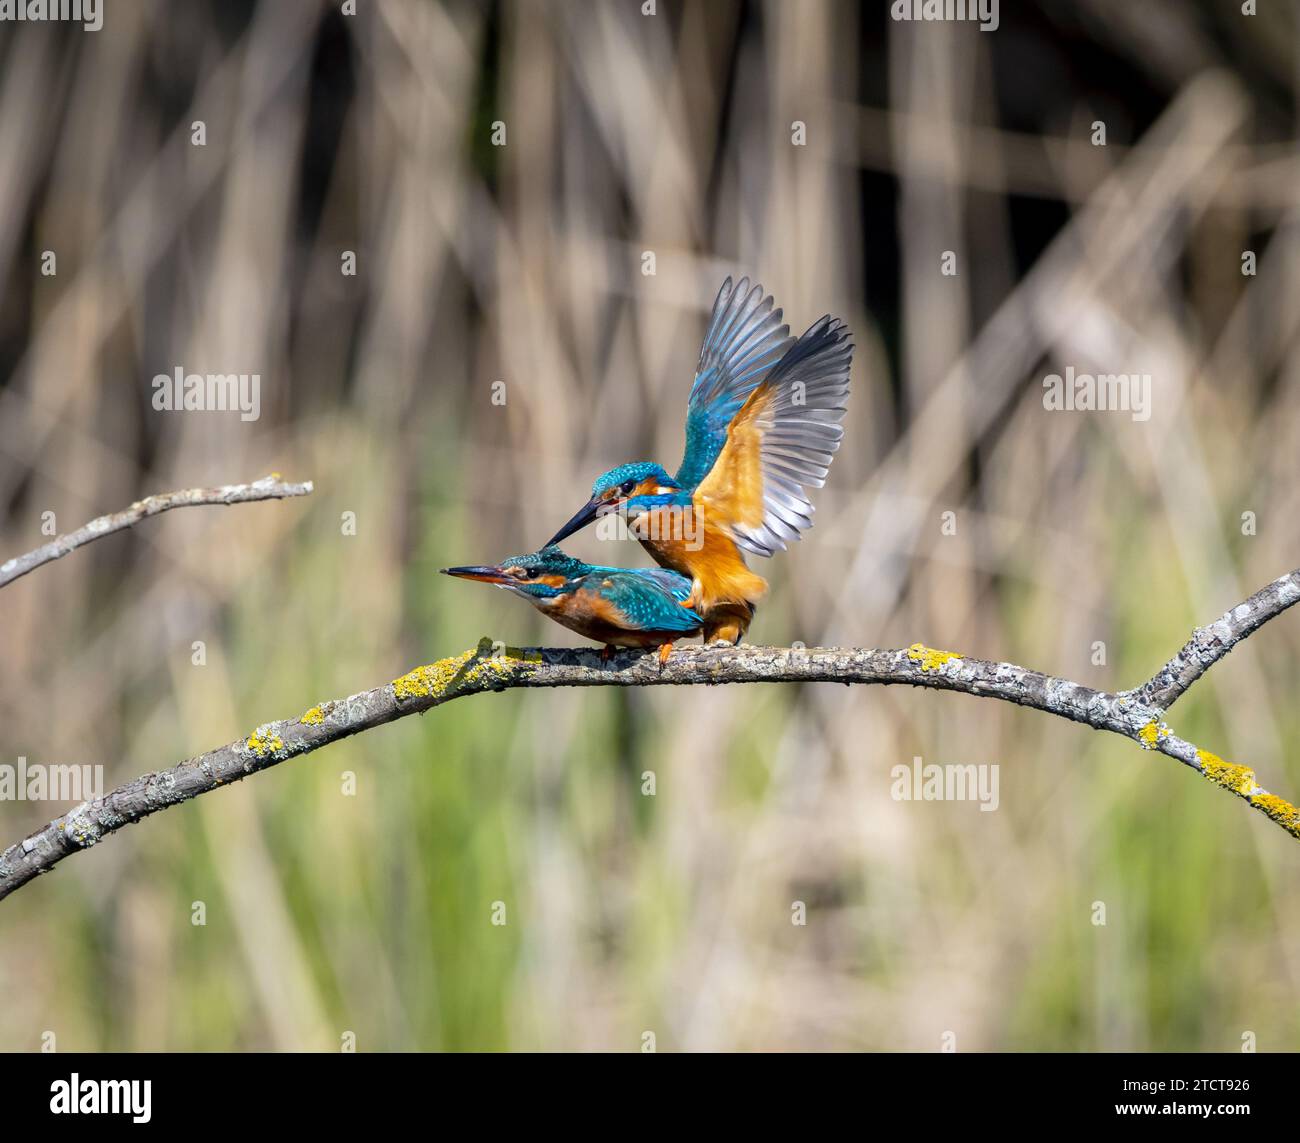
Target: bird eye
[(628, 485)]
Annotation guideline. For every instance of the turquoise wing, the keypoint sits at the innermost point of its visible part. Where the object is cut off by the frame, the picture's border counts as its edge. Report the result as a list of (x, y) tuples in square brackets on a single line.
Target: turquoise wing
[(651, 599), (745, 338), (676, 584)]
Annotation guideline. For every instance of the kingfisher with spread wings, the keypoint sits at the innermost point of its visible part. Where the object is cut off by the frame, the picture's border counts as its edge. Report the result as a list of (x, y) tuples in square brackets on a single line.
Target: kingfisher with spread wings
[(762, 426)]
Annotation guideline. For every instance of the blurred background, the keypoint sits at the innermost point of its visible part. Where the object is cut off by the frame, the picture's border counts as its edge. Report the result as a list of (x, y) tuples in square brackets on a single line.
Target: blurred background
[(501, 343)]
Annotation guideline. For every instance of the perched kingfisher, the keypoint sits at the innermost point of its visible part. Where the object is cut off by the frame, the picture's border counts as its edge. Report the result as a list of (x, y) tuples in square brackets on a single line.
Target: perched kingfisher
[(762, 425), (619, 607)]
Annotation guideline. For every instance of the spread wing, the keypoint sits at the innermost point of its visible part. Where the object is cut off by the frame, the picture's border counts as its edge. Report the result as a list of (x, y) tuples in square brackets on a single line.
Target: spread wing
[(744, 340), (651, 599), (781, 443)]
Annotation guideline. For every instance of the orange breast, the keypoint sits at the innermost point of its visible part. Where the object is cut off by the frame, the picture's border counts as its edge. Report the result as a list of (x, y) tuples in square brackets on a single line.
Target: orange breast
[(731, 495), (708, 555), (593, 616)]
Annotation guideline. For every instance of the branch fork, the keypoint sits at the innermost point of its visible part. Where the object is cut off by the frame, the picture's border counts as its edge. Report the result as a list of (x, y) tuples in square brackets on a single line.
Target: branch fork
[(1136, 714)]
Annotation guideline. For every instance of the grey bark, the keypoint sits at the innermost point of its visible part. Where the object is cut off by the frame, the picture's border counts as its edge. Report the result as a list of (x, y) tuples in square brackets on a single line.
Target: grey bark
[(1127, 713), (268, 488), (1136, 714)]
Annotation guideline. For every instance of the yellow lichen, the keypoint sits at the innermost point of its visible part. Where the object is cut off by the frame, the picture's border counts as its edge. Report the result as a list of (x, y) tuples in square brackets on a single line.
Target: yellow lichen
[(430, 680), (929, 658), (313, 716), (1151, 734), (434, 679), (1241, 780), (1238, 779), (1280, 810), (503, 665), (262, 743)]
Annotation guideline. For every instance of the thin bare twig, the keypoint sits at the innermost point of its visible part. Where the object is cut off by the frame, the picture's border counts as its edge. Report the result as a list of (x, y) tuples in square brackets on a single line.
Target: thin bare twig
[(268, 488), (1132, 714), (1209, 644)]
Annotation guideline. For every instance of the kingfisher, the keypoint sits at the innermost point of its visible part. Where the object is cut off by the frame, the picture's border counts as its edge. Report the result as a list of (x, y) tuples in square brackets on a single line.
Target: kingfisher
[(763, 423), (618, 607)]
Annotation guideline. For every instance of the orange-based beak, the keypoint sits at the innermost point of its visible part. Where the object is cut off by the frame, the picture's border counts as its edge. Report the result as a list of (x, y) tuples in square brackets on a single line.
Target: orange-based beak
[(482, 573)]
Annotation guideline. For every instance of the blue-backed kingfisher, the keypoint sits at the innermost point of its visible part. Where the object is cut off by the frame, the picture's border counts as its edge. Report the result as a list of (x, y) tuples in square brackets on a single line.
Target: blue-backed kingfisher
[(762, 425), (619, 607)]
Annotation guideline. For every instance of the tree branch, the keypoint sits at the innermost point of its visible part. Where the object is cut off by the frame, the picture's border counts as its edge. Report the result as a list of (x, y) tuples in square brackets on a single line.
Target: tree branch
[(1132, 714), (1209, 644), (268, 488)]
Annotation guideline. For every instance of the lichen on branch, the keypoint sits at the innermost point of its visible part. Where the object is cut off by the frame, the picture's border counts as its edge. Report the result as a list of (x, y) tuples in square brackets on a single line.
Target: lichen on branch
[(1137, 714)]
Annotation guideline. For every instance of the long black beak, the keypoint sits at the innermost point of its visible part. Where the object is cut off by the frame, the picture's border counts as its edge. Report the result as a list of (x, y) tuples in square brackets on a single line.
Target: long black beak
[(585, 515), (482, 573)]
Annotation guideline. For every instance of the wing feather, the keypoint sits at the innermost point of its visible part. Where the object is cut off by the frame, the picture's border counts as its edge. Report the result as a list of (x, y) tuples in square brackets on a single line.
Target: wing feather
[(781, 443), (745, 339), (651, 599)]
